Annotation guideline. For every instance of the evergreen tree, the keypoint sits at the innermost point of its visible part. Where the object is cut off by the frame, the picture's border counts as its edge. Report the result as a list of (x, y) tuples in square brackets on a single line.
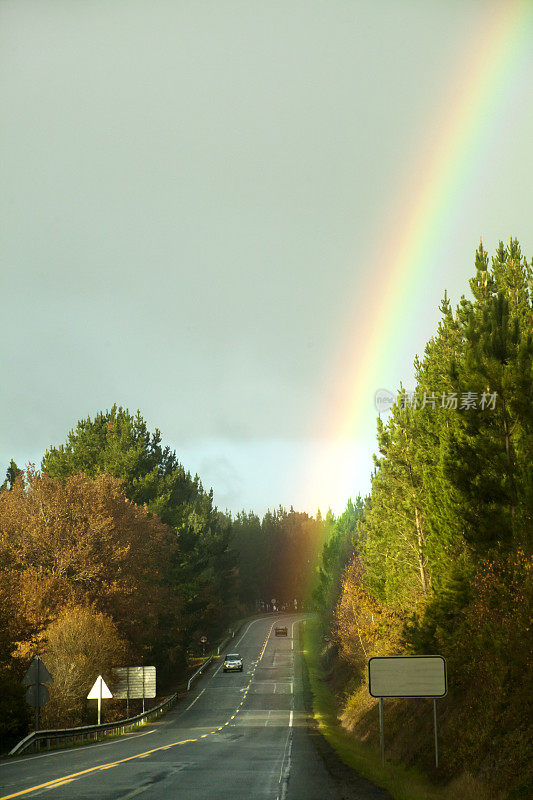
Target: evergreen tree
[(11, 475)]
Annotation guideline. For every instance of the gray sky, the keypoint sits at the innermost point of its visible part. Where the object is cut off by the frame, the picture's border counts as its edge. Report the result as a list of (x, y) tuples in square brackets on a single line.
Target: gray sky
[(188, 192)]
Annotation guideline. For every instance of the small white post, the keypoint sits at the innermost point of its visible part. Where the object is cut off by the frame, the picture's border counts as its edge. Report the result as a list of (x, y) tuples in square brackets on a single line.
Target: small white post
[(99, 699)]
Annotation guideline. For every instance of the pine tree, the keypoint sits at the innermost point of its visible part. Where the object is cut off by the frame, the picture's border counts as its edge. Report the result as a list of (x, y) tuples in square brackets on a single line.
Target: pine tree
[(12, 473)]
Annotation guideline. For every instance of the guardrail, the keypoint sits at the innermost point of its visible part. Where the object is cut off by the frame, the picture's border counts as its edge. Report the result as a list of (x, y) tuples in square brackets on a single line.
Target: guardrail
[(87, 733), (199, 672)]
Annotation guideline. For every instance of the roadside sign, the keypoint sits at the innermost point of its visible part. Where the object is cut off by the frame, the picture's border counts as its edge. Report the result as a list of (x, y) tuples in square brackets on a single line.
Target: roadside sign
[(37, 673), (132, 683), (407, 676), (37, 695), (99, 692)]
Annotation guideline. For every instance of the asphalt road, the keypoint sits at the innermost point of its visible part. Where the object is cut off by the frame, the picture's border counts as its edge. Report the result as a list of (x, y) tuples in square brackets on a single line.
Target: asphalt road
[(236, 735)]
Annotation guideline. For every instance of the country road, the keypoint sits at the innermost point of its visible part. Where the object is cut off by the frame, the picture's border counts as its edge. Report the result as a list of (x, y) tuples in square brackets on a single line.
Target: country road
[(236, 735)]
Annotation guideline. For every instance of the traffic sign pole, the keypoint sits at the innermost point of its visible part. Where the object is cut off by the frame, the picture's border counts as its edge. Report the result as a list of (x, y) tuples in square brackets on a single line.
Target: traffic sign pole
[(35, 679), (381, 734), (38, 698), (435, 729)]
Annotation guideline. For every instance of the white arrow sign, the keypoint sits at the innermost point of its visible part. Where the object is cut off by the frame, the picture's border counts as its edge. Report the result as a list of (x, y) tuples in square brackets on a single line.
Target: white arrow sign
[(99, 691)]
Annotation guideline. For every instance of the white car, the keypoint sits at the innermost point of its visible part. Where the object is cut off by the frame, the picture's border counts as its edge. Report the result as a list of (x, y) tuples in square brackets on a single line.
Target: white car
[(232, 663)]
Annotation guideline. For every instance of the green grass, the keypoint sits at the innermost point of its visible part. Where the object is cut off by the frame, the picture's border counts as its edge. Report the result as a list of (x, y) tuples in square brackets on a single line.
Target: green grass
[(401, 782)]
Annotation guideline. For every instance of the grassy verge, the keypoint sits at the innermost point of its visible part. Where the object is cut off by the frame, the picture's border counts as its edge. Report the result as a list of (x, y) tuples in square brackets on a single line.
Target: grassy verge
[(401, 782)]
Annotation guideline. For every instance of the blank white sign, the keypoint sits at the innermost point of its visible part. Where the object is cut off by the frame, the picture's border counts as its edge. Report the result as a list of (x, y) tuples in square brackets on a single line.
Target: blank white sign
[(134, 682), (407, 676)]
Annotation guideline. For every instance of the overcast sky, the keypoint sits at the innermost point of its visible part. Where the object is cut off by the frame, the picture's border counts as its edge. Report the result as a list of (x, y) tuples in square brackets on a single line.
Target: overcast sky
[(187, 192)]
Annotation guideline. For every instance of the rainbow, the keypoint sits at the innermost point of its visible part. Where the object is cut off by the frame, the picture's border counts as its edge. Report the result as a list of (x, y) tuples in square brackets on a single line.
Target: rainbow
[(422, 212)]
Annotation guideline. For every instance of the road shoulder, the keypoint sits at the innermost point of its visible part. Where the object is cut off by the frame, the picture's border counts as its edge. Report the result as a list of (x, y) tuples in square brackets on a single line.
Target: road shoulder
[(350, 785)]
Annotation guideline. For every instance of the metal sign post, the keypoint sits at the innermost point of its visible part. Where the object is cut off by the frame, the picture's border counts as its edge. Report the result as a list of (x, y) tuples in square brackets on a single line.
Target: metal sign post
[(38, 686), (381, 734), (435, 730), (407, 676)]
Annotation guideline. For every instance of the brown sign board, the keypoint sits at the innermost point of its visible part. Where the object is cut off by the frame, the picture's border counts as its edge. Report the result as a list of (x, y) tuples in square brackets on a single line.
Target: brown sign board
[(133, 683), (407, 676)]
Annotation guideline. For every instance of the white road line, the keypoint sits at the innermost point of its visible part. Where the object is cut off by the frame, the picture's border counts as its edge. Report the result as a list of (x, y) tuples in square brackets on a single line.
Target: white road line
[(285, 767), (218, 670), (262, 619), (290, 718), (134, 793), (195, 699)]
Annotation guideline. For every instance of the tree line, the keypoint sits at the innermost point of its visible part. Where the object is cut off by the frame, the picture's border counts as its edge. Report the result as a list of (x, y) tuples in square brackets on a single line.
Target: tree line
[(437, 558), (113, 553)]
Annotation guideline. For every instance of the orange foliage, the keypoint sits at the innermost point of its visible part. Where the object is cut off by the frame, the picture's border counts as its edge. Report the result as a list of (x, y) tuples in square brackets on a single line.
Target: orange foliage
[(79, 541)]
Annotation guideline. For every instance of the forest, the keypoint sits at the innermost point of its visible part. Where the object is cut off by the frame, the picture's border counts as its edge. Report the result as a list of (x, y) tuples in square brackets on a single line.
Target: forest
[(113, 554), (437, 559)]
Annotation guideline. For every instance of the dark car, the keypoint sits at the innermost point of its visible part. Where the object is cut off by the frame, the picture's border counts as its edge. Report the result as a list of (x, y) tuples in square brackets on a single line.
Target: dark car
[(281, 630)]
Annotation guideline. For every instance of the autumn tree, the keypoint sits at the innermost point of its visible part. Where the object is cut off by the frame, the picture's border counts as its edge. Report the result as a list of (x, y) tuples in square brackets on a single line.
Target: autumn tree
[(81, 540), (80, 644)]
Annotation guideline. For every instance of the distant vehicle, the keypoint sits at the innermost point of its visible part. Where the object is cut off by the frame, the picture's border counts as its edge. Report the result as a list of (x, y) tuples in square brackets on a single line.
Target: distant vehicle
[(233, 663), (281, 630)]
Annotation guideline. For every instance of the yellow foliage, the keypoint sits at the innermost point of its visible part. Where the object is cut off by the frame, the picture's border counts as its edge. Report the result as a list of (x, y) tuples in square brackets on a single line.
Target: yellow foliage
[(363, 628), (80, 645), (72, 542)]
